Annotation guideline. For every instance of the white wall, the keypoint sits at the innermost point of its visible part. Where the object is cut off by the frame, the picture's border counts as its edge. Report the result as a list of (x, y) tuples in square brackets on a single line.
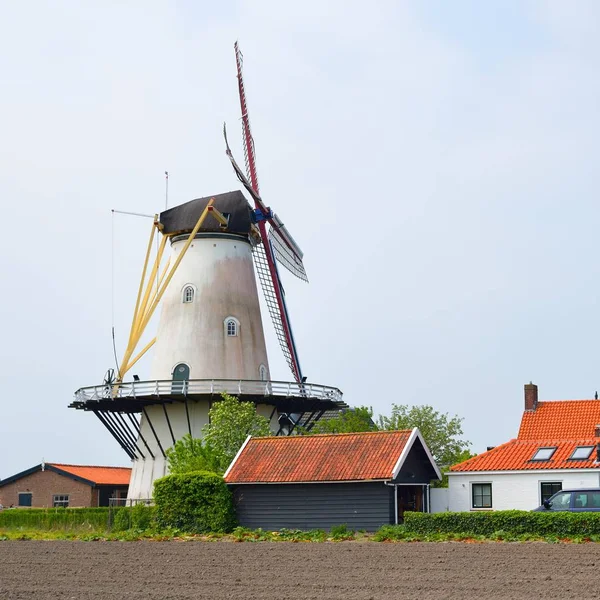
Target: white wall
[(221, 269), (513, 490), (439, 499)]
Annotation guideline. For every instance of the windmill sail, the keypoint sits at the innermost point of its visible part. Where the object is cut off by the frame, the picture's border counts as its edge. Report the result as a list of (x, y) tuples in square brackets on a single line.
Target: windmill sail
[(266, 283), (286, 249), (268, 276), (292, 261)]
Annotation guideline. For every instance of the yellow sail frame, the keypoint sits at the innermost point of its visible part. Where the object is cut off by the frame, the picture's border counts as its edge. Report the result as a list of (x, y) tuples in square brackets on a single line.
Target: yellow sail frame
[(153, 287)]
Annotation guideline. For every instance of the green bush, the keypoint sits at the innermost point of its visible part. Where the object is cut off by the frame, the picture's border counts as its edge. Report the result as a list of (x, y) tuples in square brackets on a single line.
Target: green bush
[(139, 517), (506, 522), (197, 502), (341, 532), (48, 519)]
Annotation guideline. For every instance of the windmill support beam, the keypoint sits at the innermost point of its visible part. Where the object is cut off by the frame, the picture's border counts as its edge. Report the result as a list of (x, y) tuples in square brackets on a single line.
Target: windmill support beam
[(130, 434), (168, 422), (106, 424), (153, 431), (139, 432), (114, 417), (187, 416), (317, 418)]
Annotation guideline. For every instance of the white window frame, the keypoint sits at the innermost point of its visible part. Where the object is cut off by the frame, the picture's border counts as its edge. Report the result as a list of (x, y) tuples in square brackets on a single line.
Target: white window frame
[(226, 326), (186, 287), (57, 503), (476, 508)]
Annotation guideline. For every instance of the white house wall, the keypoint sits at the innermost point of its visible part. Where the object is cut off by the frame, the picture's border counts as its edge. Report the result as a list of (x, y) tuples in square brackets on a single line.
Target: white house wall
[(520, 491)]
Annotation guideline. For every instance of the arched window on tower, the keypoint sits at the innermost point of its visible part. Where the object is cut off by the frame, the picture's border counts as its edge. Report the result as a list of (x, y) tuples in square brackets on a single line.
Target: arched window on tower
[(262, 371), (188, 294), (232, 327)]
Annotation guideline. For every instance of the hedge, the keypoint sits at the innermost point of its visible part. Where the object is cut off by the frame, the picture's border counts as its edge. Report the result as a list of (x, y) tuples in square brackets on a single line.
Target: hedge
[(54, 518), (197, 502), (139, 517), (514, 522)]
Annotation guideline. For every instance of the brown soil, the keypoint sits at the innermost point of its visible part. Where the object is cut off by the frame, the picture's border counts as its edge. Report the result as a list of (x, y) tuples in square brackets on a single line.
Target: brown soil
[(177, 570)]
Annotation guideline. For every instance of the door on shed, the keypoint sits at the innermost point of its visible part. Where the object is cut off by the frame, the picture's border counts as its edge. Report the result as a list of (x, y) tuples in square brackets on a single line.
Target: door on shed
[(410, 498)]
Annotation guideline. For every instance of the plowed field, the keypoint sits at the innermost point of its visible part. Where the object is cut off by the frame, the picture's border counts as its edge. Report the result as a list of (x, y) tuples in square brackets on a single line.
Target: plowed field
[(176, 570)]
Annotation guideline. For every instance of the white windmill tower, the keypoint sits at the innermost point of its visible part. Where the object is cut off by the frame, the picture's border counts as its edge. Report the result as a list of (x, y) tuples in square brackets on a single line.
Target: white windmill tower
[(210, 336)]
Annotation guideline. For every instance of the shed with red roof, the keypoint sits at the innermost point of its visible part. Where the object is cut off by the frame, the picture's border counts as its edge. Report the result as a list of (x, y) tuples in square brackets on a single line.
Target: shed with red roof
[(53, 485), (557, 447), (363, 480)]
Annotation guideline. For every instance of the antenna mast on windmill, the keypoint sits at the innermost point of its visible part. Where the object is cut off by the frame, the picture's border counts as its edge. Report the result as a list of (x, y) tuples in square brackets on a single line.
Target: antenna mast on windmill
[(210, 336)]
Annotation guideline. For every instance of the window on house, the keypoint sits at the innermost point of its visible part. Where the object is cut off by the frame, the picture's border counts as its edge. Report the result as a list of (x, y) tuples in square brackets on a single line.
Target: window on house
[(482, 495), (25, 498), (188, 294), (262, 371), (581, 453), (549, 488), (231, 327), (60, 500), (544, 453)]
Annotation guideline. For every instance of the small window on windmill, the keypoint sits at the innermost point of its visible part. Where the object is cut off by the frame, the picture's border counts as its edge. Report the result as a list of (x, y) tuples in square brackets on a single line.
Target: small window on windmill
[(188, 294), (262, 371), (232, 327)]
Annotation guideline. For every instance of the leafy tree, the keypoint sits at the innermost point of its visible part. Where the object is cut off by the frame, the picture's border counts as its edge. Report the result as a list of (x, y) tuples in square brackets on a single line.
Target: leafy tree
[(440, 431), (349, 421), (230, 423), (191, 454)]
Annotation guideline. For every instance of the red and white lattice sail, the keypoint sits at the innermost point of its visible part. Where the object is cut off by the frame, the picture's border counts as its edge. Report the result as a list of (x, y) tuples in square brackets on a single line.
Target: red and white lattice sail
[(277, 243)]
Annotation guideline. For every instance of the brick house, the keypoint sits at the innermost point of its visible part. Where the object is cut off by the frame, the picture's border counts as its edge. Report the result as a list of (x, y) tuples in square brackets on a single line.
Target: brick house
[(557, 447), (51, 485)]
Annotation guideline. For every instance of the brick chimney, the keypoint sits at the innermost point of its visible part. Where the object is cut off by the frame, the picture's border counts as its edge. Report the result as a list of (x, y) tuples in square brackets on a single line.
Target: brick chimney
[(597, 431), (531, 396)]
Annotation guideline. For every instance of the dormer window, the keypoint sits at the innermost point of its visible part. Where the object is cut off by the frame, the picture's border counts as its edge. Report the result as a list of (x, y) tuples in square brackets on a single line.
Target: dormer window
[(544, 453), (581, 453), (188, 294), (232, 327)]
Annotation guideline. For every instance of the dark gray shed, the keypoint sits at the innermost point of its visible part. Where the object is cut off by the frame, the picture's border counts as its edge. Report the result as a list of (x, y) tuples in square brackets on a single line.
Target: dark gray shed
[(364, 480)]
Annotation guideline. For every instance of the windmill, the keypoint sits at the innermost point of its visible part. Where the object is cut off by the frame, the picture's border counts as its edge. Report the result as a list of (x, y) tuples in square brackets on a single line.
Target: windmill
[(209, 337)]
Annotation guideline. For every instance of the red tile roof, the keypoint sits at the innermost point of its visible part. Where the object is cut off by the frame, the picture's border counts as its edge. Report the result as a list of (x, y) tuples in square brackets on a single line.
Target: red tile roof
[(516, 455), (330, 457), (99, 475), (561, 420), (563, 424)]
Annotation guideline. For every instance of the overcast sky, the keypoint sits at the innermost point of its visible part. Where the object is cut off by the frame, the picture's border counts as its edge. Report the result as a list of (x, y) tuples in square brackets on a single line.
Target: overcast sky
[(437, 162)]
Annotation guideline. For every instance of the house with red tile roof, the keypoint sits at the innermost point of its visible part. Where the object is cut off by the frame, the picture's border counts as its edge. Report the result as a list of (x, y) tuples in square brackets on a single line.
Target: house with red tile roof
[(557, 447), (53, 485), (364, 480)]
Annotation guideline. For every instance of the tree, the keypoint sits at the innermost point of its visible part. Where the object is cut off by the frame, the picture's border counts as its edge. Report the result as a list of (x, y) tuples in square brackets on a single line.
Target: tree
[(348, 421), (461, 457), (440, 431), (191, 454), (230, 423)]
